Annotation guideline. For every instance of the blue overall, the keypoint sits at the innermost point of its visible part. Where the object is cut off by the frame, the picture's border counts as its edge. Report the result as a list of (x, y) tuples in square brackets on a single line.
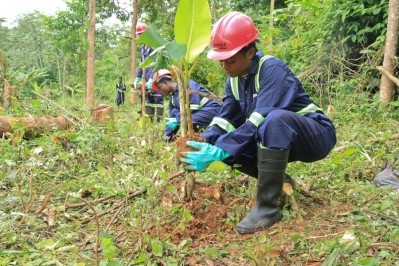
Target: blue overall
[(279, 115), (154, 98), (203, 109), (120, 93)]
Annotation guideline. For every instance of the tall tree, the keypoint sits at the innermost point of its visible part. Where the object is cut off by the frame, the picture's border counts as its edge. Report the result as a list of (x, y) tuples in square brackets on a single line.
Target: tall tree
[(133, 96), (91, 35), (387, 85)]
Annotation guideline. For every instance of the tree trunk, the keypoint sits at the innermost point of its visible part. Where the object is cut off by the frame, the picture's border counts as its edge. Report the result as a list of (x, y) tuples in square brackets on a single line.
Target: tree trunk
[(33, 126), (91, 34), (386, 86), (271, 13), (143, 90), (133, 94), (182, 101), (5, 92), (5, 97), (102, 113)]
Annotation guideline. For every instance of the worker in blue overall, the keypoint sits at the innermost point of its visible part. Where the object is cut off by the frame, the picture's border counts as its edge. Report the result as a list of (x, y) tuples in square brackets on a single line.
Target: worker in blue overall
[(120, 92), (266, 120), (154, 101), (203, 109)]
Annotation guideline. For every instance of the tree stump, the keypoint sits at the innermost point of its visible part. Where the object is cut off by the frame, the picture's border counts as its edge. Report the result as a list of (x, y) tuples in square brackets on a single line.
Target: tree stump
[(102, 113)]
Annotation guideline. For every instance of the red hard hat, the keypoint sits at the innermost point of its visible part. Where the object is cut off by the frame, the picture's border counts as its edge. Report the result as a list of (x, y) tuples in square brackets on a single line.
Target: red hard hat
[(140, 27), (230, 34), (158, 75)]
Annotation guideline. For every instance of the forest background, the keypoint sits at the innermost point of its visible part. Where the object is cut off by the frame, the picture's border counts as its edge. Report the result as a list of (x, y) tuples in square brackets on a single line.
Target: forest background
[(334, 46)]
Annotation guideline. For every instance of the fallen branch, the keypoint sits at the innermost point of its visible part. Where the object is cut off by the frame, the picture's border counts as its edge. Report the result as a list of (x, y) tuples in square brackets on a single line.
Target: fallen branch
[(44, 204), (51, 216), (78, 205), (382, 217), (324, 236), (388, 75), (97, 229), (113, 218), (305, 191), (393, 137), (385, 245), (173, 176), (117, 205), (59, 106)]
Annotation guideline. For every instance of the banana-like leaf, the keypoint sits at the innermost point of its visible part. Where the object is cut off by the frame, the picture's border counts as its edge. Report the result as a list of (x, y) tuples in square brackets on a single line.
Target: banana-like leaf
[(170, 52), (152, 38), (176, 51), (193, 27)]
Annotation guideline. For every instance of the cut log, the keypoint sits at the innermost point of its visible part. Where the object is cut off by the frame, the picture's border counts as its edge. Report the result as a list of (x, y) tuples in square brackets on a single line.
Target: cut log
[(33, 126), (102, 113)]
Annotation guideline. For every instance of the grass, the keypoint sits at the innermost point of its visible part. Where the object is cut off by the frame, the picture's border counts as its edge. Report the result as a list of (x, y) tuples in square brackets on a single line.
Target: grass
[(157, 227)]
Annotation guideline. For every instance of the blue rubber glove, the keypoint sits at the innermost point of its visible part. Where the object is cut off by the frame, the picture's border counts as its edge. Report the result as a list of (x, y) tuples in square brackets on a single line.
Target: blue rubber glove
[(206, 154), (148, 85), (137, 82), (172, 125)]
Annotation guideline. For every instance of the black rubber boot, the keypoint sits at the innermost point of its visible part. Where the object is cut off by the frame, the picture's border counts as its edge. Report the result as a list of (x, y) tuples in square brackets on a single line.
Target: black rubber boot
[(271, 172), (150, 111), (158, 113)]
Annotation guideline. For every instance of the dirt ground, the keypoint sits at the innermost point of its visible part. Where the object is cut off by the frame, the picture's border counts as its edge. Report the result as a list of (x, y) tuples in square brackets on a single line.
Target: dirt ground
[(209, 209)]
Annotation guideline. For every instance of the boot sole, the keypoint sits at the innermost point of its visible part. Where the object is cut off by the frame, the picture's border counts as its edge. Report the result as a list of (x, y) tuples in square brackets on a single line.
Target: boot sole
[(259, 228)]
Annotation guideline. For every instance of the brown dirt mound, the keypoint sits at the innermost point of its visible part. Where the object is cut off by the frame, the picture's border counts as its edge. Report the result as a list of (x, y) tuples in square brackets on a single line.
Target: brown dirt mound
[(210, 207), (182, 146)]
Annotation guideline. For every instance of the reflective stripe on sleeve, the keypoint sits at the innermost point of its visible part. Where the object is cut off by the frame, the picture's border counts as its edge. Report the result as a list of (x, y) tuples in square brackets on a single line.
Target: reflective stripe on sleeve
[(171, 119), (199, 106), (311, 108), (256, 118), (223, 124)]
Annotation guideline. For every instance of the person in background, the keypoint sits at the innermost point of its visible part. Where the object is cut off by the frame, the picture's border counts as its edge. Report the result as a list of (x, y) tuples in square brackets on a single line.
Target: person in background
[(154, 101), (267, 119), (203, 109), (120, 92)]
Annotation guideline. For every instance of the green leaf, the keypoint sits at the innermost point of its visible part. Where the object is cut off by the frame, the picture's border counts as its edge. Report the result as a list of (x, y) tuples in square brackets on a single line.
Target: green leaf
[(193, 27), (176, 51), (108, 247), (46, 244), (152, 38), (70, 248), (186, 215), (218, 166), (211, 251), (36, 102), (142, 257), (157, 248)]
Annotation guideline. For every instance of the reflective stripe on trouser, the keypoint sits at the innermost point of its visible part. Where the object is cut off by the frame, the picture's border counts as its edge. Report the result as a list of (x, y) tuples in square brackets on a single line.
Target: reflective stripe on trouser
[(256, 118), (309, 138)]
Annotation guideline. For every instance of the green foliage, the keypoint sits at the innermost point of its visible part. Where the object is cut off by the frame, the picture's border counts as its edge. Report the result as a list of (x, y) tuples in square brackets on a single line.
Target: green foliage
[(338, 41), (331, 41), (96, 161), (209, 74), (192, 27)]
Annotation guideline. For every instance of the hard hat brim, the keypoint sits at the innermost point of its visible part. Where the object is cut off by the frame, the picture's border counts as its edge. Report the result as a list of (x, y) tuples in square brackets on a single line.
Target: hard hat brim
[(222, 55)]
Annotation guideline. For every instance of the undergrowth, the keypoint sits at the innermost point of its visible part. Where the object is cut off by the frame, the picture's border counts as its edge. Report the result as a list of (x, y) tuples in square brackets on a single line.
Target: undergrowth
[(114, 160)]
